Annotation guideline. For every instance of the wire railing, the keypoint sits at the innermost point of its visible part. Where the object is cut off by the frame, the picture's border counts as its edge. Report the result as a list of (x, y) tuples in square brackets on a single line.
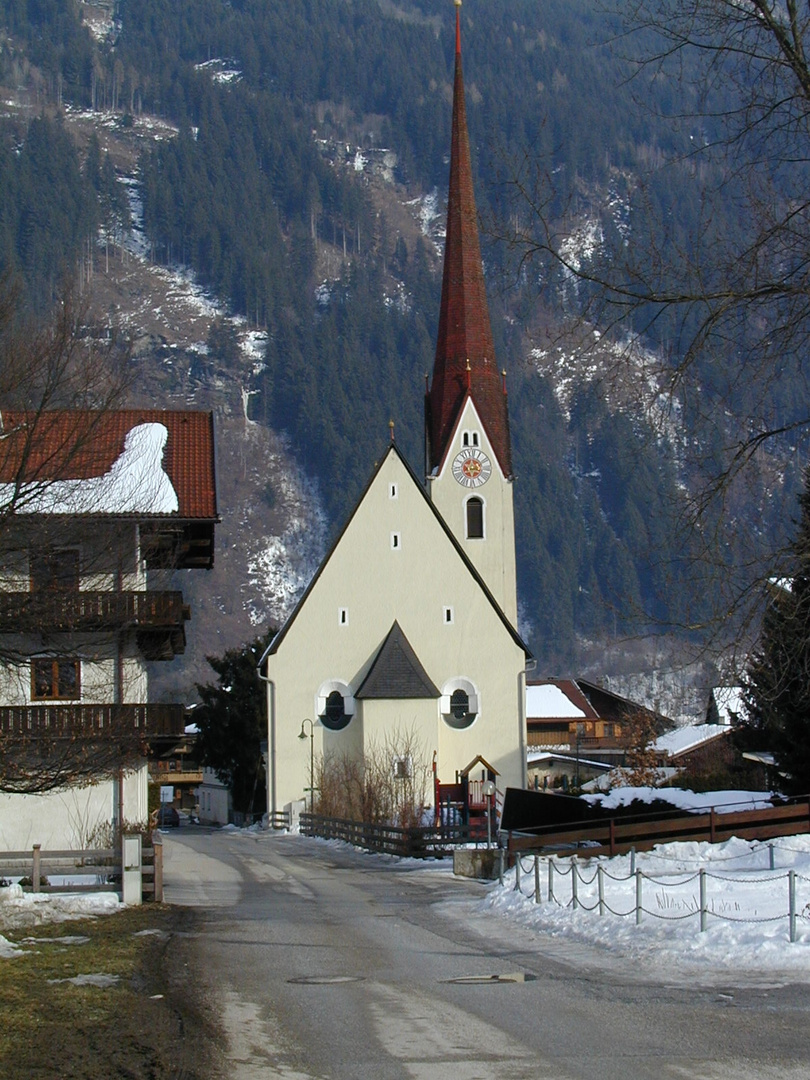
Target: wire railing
[(675, 896)]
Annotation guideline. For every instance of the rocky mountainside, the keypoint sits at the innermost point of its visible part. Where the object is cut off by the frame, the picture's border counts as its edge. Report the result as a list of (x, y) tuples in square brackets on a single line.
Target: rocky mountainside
[(274, 257)]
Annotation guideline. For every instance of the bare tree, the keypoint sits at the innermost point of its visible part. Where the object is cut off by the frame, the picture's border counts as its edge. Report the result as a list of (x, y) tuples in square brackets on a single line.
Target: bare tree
[(729, 304), (50, 368)]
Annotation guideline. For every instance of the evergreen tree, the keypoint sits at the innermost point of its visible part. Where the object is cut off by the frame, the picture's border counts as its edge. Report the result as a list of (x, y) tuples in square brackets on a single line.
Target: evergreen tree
[(777, 682), (231, 722)]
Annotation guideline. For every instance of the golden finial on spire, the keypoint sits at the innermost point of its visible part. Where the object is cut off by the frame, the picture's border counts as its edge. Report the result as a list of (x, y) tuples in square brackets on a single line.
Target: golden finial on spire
[(391, 427)]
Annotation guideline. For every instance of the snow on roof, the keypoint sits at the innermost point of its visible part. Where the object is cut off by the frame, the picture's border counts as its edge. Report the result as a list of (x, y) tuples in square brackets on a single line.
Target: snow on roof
[(545, 700), (136, 483), (688, 737)]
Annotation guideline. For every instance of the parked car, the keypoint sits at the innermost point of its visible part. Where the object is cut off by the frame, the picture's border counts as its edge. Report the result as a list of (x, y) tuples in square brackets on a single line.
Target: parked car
[(167, 818)]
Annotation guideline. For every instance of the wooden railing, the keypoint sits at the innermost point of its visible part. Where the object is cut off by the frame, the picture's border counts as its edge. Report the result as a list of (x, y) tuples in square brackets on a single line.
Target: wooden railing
[(419, 842), (74, 609), (154, 720), (90, 870), (614, 836)]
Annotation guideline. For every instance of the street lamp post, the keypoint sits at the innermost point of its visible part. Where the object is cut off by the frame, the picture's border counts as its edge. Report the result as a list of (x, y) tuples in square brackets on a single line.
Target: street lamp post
[(311, 737)]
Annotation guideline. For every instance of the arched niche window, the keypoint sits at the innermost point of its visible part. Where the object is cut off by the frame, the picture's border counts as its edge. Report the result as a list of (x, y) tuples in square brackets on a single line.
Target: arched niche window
[(335, 705), (469, 438), (474, 510), (460, 703)]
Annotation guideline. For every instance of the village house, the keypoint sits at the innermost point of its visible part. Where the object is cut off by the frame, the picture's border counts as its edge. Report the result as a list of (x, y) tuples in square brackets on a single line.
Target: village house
[(104, 507)]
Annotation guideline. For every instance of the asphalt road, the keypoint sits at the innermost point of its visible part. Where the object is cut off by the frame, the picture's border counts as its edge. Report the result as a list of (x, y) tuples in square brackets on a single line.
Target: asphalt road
[(320, 962)]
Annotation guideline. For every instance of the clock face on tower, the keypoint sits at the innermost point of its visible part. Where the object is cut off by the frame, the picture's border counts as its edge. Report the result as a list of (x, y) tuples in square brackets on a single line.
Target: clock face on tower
[(471, 467)]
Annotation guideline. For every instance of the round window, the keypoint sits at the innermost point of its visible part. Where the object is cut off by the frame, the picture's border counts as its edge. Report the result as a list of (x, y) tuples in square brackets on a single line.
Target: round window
[(334, 715), (460, 715)]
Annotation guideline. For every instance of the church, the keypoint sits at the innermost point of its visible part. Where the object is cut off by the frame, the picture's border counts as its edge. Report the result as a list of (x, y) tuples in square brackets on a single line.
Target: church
[(408, 628)]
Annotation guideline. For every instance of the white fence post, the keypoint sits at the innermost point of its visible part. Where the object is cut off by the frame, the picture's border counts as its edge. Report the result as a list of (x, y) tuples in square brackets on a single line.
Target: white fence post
[(639, 877), (792, 903), (537, 897), (132, 888)]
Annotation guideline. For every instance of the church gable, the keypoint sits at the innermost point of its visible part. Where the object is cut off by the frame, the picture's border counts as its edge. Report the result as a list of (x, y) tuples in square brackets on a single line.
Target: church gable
[(393, 545), (396, 671)]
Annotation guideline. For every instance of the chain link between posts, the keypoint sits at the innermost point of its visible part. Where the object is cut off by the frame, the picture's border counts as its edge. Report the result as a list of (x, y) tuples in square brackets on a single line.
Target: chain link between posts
[(703, 909)]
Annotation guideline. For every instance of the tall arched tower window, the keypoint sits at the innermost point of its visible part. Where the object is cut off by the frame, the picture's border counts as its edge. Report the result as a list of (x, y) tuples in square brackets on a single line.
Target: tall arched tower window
[(474, 510)]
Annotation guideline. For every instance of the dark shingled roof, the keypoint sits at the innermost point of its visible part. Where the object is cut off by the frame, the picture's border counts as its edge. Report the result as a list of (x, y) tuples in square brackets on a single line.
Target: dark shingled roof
[(396, 671), (465, 333)]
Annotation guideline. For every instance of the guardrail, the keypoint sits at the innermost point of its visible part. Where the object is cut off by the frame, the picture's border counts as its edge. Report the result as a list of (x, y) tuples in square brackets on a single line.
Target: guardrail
[(642, 832)]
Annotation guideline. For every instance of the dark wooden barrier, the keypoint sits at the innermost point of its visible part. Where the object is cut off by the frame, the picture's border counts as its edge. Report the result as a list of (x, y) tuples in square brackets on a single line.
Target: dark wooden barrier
[(642, 832), (419, 842)]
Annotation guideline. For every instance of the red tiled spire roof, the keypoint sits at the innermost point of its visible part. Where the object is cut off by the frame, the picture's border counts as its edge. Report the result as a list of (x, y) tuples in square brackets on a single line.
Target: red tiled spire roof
[(465, 333)]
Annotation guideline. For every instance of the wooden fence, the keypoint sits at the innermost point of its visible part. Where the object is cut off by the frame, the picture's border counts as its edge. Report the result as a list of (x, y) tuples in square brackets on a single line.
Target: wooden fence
[(642, 832), (90, 871), (419, 842)]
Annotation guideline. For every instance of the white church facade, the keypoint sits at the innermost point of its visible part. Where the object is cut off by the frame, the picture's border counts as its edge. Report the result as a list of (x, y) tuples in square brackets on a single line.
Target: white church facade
[(407, 631)]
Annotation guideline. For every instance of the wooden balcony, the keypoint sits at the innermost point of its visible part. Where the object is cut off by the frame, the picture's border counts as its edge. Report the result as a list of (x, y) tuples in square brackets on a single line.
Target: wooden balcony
[(152, 721), (157, 616)]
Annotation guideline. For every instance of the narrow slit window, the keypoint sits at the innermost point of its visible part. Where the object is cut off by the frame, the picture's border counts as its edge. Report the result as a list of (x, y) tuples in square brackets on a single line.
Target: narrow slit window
[(448, 615), (475, 518), (343, 616), (396, 541), (393, 492)]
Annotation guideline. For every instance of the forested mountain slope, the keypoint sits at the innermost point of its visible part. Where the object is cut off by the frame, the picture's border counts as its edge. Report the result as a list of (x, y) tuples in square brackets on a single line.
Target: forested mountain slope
[(299, 171)]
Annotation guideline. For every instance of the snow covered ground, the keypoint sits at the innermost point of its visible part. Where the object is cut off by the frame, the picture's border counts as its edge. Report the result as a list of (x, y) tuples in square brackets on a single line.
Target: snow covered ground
[(746, 904), (740, 891)]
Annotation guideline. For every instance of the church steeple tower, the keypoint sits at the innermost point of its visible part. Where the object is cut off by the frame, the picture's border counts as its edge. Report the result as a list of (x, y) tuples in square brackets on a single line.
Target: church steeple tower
[(469, 454), (465, 361)]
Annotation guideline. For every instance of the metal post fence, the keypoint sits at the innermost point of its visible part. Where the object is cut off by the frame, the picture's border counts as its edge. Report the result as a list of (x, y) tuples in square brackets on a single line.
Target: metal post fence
[(703, 910), (600, 876), (574, 885), (550, 880), (639, 877), (792, 904), (537, 897)]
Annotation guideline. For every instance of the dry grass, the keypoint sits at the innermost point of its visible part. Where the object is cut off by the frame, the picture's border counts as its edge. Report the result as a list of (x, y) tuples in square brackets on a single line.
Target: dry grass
[(56, 1029)]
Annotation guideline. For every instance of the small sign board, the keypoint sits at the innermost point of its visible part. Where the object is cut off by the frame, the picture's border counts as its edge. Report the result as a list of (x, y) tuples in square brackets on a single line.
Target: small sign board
[(167, 793)]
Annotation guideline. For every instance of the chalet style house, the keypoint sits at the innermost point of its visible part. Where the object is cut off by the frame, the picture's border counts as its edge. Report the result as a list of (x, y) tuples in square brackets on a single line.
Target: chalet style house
[(408, 627), (96, 511)]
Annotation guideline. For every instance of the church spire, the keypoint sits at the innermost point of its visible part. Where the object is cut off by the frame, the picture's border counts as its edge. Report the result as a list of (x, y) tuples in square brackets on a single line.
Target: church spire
[(465, 354)]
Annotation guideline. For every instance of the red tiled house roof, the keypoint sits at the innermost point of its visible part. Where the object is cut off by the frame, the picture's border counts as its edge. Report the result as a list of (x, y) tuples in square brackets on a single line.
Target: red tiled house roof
[(82, 444)]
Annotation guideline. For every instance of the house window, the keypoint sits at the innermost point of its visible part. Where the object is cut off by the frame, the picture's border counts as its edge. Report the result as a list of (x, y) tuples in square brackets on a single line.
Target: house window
[(396, 541), (448, 616), (475, 518), (55, 570), (334, 716), (393, 493), (608, 730), (402, 768), (52, 678), (343, 616)]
